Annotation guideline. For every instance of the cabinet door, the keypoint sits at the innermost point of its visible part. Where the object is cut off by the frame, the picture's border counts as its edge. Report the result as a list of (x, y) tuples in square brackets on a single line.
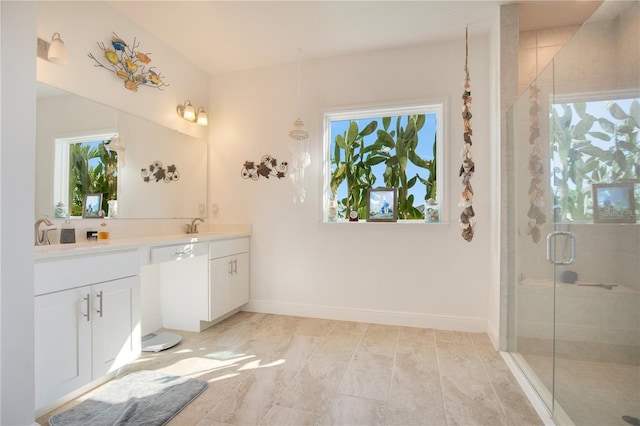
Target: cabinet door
[(184, 293), (239, 282), (116, 324), (62, 343), (220, 271)]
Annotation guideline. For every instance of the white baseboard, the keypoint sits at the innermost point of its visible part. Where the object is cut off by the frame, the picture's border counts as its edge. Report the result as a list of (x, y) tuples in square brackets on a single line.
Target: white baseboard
[(408, 319)]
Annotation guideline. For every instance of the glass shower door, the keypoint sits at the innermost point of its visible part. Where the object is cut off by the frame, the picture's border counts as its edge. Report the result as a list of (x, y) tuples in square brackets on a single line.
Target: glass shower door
[(575, 199)]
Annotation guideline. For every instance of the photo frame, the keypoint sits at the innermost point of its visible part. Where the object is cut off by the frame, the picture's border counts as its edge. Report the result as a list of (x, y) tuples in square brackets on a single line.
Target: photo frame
[(382, 205), (613, 203), (92, 206)]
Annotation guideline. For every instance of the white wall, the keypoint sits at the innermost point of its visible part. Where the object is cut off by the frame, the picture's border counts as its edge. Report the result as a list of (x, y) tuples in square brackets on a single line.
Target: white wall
[(17, 146), (394, 273)]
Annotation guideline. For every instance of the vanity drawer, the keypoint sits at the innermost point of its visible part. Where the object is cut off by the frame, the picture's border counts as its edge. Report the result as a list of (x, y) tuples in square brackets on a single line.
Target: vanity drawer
[(177, 252), (224, 248), (53, 275)]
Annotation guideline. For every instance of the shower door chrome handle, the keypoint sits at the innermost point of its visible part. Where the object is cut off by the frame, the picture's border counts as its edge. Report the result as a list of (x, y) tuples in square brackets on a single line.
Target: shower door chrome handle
[(551, 253)]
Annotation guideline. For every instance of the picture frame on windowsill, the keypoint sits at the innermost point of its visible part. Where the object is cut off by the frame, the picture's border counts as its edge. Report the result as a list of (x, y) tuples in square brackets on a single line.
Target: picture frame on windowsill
[(382, 205), (92, 206), (613, 203)]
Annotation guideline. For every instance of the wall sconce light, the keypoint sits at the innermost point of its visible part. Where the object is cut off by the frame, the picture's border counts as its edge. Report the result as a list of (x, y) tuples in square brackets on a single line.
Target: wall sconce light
[(188, 112), (55, 51), (202, 117)]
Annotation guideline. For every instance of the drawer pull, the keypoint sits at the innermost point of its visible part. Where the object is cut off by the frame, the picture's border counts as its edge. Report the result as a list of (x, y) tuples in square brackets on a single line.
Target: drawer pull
[(100, 305), (88, 314)]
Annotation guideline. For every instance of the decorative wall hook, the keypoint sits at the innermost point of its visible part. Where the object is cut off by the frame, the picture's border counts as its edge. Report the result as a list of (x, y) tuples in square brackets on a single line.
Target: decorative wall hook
[(268, 166)]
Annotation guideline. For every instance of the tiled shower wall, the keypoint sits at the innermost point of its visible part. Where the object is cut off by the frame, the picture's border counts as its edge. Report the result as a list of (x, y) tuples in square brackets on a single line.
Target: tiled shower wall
[(536, 49)]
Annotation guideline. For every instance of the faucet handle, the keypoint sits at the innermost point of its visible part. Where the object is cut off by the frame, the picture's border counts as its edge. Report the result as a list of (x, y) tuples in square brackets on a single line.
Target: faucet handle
[(45, 236)]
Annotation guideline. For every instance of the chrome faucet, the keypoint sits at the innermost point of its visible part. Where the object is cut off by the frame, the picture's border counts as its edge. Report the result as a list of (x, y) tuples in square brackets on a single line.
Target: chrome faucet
[(193, 227), (42, 238)]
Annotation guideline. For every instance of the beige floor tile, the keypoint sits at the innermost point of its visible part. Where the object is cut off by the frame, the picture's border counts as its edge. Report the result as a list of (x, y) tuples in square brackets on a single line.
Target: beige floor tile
[(283, 416), (249, 402), (514, 402), (409, 337), (471, 402), (415, 396), (296, 351), (452, 337), (314, 327), (283, 370), (368, 376), (349, 410), (468, 394), (316, 384), (379, 339)]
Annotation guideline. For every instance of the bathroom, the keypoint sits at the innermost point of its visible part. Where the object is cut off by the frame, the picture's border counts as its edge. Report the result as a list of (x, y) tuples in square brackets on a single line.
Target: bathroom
[(296, 268)]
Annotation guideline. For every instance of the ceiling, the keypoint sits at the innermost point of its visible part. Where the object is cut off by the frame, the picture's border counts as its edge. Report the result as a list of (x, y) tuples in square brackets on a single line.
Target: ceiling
[(225, 36)]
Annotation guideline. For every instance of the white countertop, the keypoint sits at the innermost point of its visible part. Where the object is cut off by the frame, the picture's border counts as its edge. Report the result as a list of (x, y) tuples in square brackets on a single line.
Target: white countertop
[(119, 244)]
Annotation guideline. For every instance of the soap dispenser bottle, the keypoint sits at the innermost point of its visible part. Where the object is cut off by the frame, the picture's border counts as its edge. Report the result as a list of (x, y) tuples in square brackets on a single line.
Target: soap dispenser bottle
[(67, 232)]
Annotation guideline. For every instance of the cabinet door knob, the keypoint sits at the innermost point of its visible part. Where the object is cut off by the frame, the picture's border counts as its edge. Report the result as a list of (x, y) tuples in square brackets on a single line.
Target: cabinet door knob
[(230, 268), (235, 266)]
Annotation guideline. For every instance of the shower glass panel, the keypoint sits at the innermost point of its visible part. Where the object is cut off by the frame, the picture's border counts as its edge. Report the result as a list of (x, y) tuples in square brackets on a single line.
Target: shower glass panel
[(574, 314)]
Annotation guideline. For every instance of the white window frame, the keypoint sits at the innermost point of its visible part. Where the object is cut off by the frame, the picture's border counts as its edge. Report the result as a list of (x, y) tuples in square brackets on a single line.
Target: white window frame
[(437, 106)]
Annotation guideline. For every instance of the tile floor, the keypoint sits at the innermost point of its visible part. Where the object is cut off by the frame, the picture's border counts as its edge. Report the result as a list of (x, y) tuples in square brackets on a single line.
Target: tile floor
[(591, 393), (282, 370)]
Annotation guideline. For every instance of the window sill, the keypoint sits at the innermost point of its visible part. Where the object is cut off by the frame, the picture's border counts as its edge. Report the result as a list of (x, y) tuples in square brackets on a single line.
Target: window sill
[(343, 222)]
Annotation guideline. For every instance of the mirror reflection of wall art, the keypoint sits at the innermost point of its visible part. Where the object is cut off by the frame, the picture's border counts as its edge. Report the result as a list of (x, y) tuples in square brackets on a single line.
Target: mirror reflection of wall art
[(129, 64), (159, 173), (268, 166), (92, 206), (381, 205), (613, 203)]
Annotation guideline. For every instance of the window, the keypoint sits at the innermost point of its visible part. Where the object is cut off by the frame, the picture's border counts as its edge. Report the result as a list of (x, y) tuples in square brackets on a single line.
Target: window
[(84, 165), (594, 141), (384, 148)]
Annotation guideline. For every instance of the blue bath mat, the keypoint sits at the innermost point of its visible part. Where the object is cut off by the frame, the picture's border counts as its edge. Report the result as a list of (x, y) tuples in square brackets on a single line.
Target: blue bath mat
[(141, 398)]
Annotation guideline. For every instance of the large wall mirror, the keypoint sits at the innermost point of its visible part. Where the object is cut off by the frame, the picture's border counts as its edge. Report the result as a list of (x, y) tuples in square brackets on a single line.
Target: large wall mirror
[(160, 174)]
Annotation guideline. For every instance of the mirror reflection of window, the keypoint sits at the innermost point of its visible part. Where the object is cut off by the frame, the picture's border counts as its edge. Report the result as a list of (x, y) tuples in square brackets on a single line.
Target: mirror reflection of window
[(84, 165)]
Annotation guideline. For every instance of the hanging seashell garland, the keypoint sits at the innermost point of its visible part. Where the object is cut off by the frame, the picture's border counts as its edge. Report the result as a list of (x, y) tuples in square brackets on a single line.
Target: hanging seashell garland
[(467, 222), (299, 148), (535, 214)]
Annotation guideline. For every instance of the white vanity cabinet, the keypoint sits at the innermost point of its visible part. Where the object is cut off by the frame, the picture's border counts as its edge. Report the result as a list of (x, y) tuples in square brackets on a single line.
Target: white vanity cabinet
[(210, 281), (184, 289), (228, 275), (87, 322)]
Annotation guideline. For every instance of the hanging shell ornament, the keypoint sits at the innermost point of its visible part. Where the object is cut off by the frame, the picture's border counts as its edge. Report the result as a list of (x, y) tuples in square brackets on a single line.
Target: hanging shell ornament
[(467, 221), (535, 214), (299, 148)]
